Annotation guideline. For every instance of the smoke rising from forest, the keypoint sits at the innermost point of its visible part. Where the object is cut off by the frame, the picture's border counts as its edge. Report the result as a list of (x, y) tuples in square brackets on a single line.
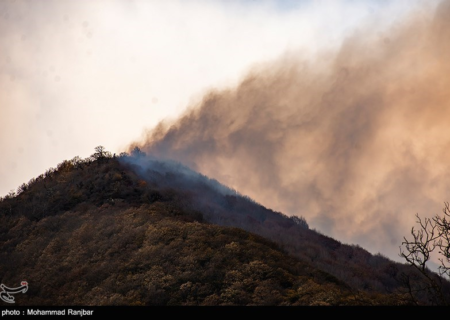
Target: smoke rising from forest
[(78, 74), (356, 140)]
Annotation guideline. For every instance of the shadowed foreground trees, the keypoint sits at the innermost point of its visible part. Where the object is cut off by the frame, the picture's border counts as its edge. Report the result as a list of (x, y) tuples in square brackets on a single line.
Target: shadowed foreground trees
[(430, 239)]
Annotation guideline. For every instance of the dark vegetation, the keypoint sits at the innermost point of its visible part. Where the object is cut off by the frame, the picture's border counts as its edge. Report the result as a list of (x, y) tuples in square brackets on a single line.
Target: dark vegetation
[(132, 230)]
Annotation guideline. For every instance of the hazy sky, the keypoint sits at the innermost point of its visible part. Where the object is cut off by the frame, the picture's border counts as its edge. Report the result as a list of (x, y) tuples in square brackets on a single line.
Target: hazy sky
[(75, 74)]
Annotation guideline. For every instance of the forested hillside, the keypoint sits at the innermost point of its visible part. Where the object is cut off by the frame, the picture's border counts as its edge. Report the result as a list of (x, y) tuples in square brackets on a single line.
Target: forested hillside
[(131, 230)]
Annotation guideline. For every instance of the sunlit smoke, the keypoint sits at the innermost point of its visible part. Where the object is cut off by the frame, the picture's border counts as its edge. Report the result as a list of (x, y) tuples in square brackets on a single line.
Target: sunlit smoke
[(76, 74), (356, 141)]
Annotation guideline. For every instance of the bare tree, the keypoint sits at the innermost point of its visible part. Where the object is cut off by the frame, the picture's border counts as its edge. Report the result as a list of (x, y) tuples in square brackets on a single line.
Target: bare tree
[(432, 237), (101, 153)]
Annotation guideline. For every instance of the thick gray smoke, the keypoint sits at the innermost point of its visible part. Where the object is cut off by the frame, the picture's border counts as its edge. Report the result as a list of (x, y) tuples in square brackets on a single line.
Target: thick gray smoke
[(356, 141)]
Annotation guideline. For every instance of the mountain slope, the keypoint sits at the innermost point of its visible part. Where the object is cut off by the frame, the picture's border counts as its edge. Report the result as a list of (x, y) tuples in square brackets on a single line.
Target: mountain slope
[(136, 231), (350, 263), (142, 256)]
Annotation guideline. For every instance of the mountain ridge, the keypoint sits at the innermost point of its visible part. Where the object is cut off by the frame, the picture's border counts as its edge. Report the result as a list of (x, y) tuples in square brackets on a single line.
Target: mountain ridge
[(177, 200)]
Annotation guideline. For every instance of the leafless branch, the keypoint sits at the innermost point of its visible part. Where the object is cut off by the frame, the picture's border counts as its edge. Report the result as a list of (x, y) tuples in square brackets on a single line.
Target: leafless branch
[(433, 234)]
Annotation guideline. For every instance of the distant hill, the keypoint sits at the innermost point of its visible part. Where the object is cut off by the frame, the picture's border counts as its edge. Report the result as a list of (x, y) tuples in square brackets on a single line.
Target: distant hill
[(132, 230)]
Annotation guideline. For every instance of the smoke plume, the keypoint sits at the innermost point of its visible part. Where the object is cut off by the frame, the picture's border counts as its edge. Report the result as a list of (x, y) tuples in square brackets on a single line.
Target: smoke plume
[(356, 140), (76, 74)]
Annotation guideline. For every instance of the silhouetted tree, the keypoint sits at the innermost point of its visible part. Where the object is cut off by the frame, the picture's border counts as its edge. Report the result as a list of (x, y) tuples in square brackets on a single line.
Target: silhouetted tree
[(300, 221), (22, 188), (101, 153), (432, 236)]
